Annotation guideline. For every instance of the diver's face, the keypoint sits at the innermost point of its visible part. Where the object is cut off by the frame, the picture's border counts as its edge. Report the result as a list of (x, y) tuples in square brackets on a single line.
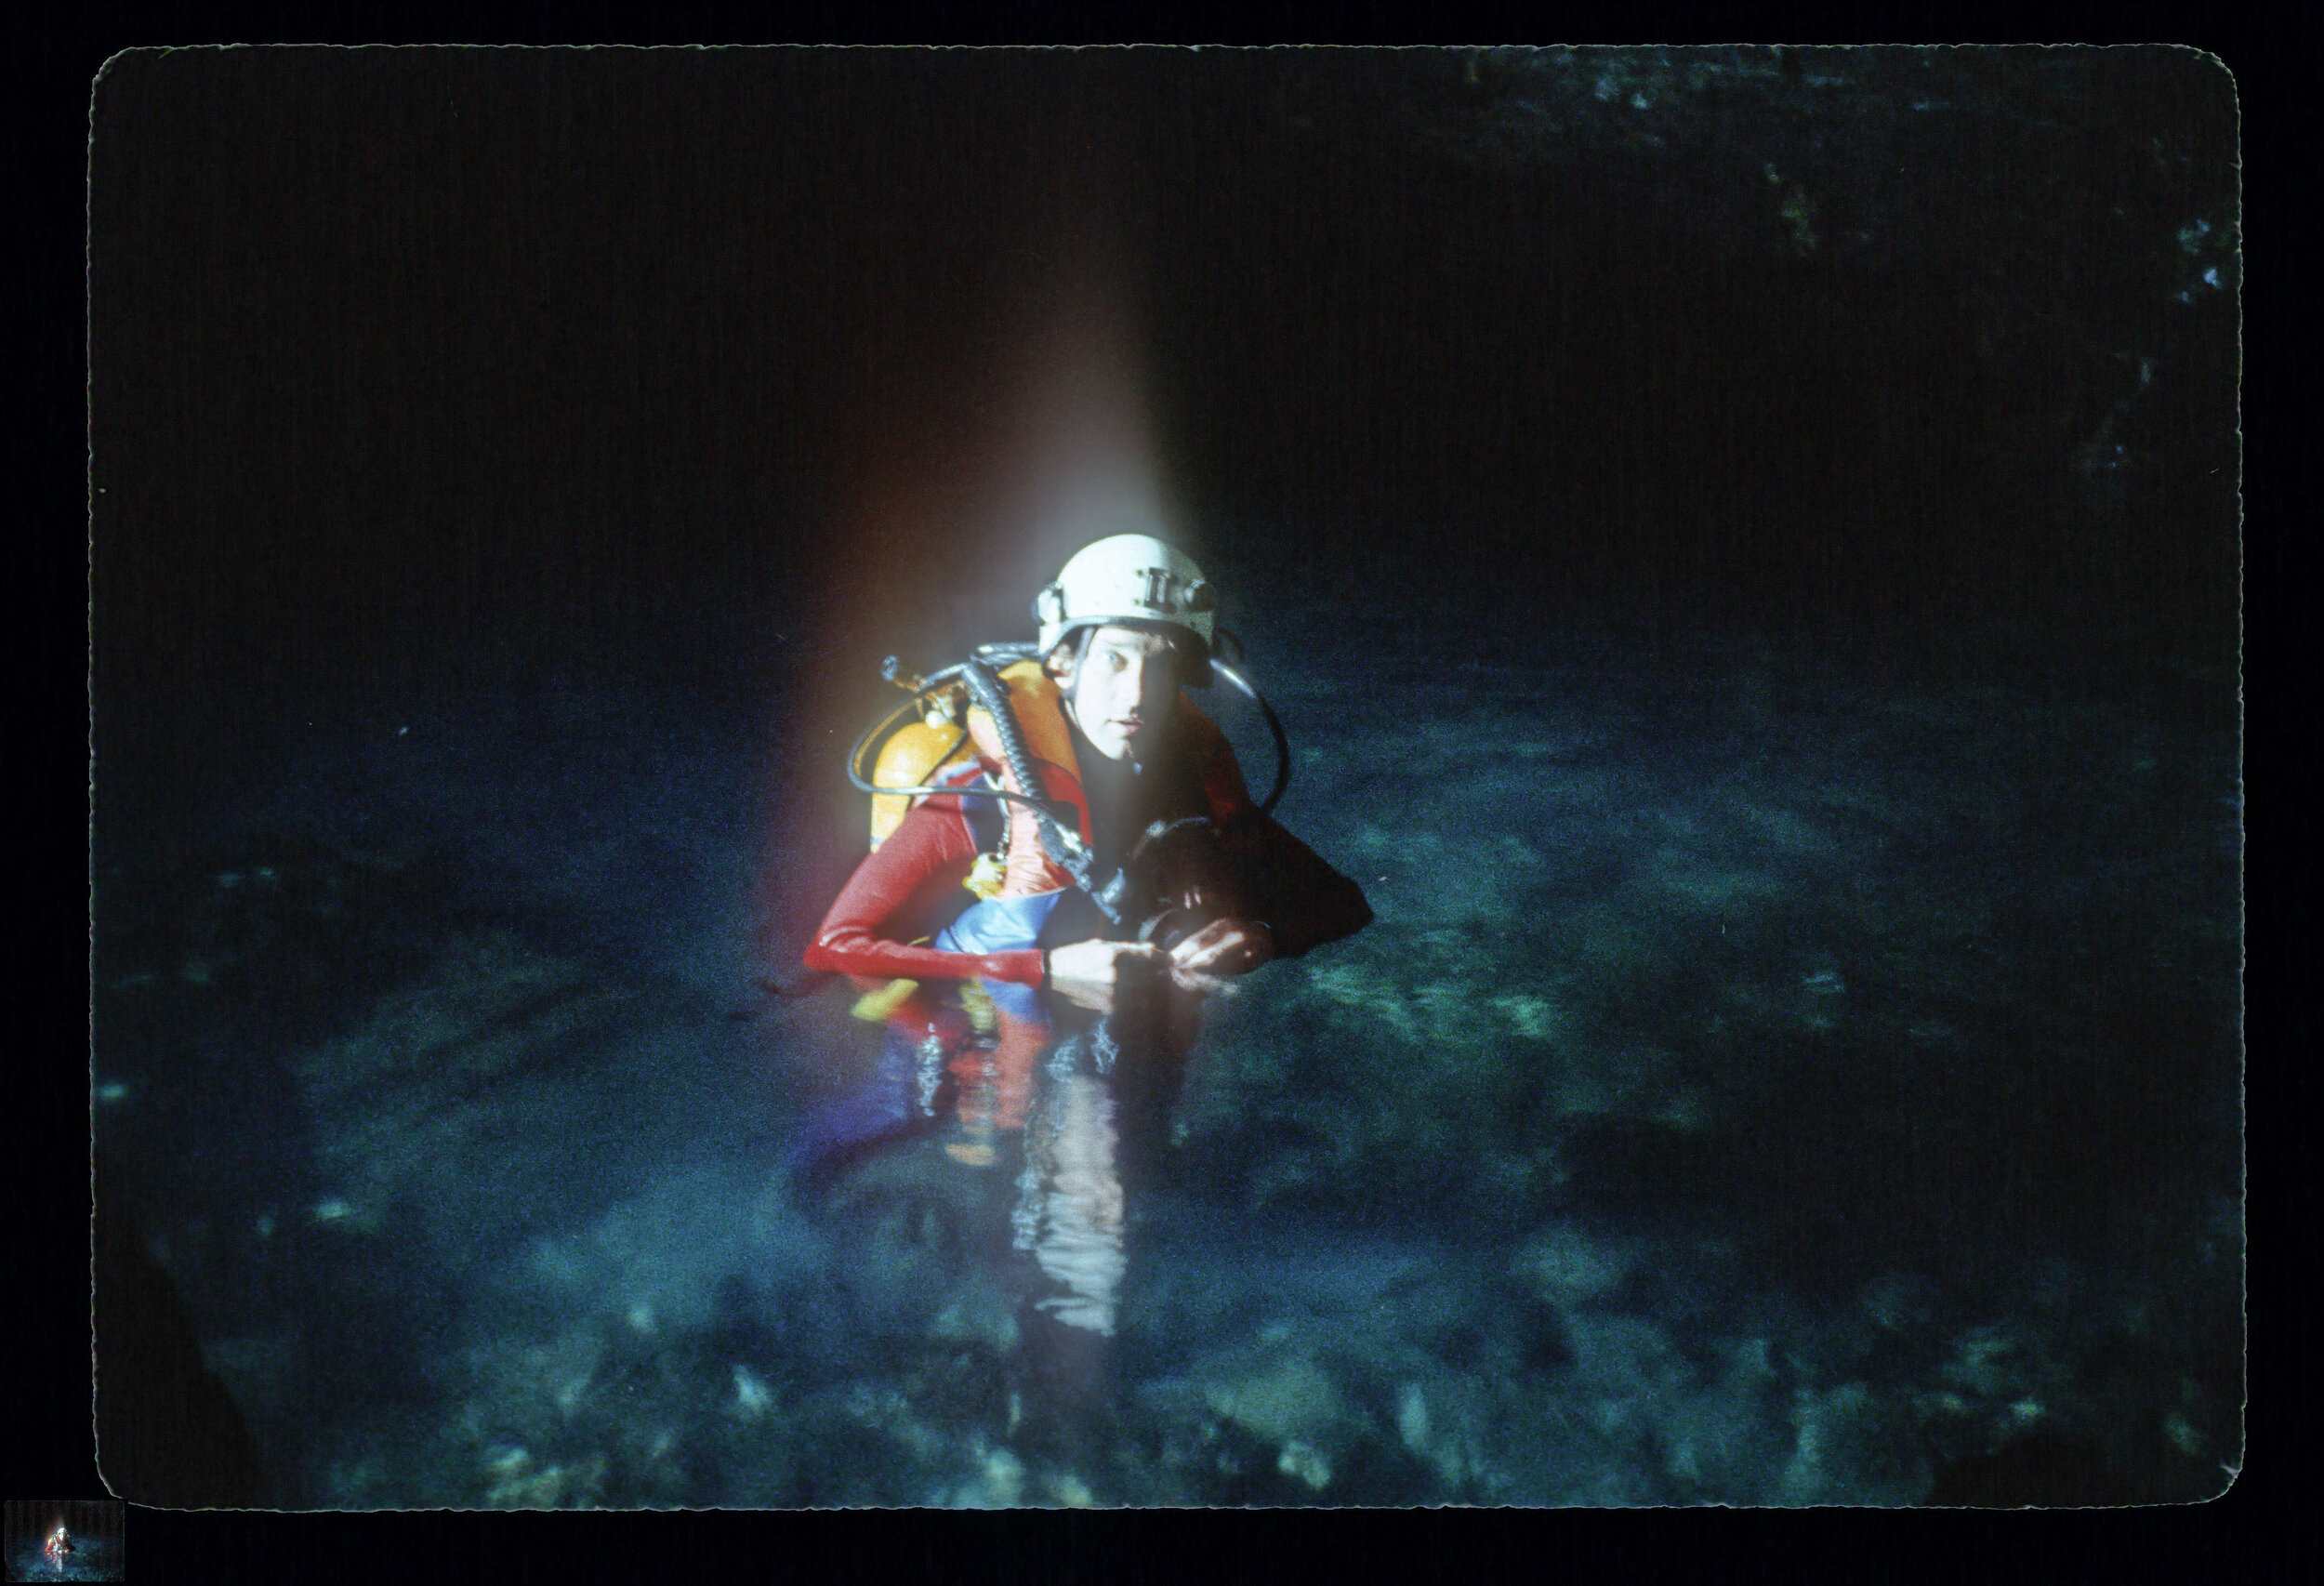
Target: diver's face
[(1121, 692)]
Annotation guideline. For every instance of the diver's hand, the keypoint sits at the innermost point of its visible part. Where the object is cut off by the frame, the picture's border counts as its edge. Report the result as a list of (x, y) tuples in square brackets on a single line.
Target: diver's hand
[(1095, 975), (1223, 946)]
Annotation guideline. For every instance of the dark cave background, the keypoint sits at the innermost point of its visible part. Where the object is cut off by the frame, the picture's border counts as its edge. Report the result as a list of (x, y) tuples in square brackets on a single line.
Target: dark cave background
[(472, 367)]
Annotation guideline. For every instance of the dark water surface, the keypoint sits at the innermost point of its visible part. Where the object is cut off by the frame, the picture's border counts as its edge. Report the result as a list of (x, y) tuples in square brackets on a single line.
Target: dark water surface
[(1768, 1080)]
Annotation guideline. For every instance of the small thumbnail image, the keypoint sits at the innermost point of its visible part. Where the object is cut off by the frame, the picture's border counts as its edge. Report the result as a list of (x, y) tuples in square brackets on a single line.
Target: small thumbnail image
[(64, 1539)]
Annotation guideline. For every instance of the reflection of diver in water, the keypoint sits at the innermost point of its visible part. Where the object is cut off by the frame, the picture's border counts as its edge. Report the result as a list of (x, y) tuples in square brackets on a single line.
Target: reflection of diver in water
[(1065, 860)]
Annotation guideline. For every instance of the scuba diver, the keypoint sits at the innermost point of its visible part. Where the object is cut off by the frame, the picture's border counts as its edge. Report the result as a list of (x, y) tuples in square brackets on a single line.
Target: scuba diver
[(56, 1547), (1128, 623), (1065, 863), (1074, 825)]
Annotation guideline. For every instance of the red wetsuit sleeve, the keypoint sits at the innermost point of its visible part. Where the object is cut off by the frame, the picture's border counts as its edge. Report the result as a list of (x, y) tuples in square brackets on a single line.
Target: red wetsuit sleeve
[(902, 890)]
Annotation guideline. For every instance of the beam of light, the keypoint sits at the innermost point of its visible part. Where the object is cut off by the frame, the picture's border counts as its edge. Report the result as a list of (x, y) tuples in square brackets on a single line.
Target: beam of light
[(995, 467), (1046, 444)]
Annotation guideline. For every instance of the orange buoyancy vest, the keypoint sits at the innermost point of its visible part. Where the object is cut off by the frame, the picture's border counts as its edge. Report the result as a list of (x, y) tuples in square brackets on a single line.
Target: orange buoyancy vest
[(1040, 707)]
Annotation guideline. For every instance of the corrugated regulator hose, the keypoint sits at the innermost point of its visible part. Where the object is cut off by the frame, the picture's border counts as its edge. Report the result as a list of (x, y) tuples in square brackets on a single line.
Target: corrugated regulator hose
[(1064, 849)]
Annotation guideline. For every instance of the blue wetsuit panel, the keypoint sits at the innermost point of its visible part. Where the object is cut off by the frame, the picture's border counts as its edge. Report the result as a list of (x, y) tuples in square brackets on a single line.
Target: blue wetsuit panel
[(1001, 925), (998, 925)]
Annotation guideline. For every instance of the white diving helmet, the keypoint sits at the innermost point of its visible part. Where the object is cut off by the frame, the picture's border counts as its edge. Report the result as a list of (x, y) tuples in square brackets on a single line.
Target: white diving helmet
[(1131, 581)]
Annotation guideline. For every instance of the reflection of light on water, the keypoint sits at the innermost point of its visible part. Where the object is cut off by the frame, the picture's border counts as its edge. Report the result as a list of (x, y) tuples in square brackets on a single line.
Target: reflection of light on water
[(1073, 457), (1079, 1243)]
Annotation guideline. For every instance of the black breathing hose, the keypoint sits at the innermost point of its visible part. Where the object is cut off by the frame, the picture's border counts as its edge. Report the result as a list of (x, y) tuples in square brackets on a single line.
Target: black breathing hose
[(1282, 743), (1064, 849), (993, 695)]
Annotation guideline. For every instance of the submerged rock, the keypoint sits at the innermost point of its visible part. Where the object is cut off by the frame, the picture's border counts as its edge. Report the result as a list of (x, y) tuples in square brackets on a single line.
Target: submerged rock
[(1282, 1396), (431, 1104)]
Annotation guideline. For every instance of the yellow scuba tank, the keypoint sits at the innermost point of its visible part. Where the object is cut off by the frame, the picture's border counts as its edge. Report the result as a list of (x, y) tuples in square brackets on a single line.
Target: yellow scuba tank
[(916, 752), (952, 731)]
